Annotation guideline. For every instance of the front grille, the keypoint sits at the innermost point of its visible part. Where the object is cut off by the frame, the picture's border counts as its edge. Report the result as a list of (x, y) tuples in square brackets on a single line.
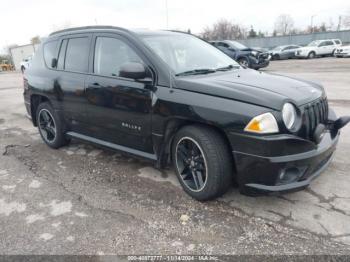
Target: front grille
[(263, 56), (313, 114)]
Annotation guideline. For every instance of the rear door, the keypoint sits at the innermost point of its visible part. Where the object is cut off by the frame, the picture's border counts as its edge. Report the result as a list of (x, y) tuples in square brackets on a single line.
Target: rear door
[(69, 85), (326, 47), (118, 109)]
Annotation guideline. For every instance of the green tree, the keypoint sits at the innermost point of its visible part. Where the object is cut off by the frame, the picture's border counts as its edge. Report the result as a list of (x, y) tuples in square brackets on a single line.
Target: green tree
[(252, 32)]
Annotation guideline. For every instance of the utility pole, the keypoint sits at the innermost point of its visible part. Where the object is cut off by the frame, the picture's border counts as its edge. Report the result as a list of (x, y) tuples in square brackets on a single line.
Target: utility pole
[(167, 14), (339, 23), (312, 23)]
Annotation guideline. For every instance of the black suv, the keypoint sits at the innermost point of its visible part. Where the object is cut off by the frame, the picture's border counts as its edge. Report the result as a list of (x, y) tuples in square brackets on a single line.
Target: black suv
[(245, 56), (173, 98)]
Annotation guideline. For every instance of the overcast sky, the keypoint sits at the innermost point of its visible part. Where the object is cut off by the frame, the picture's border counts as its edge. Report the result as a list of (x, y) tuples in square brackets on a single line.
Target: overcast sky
[(27, 18)]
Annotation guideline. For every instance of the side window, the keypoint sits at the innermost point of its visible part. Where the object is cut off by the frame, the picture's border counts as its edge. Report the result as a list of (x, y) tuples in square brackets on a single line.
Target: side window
[(327, 43), (61, 55), (223, 45), (50, 52), (77, 54), (111, 54)]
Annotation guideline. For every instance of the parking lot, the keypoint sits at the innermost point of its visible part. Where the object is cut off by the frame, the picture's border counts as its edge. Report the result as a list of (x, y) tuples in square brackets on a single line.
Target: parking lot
[(85, 200)]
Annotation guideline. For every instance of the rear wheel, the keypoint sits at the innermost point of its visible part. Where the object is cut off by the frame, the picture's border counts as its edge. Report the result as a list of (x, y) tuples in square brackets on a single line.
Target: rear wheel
[(202, 162), (50, 126)]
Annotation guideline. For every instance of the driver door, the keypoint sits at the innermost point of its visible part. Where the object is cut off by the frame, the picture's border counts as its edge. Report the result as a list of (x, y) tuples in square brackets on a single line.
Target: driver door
[(118, 109)]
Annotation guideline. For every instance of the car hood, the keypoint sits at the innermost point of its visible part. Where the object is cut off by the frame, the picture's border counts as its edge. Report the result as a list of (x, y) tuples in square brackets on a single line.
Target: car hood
[(344, 48), (268, 90)]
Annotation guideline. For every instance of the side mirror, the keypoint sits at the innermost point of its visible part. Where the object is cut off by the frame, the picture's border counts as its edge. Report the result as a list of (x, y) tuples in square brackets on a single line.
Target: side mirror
[(136, 71)]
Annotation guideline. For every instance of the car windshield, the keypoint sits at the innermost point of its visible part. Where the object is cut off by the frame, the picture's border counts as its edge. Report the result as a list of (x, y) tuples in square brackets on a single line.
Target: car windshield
[(314, 43), (238, 45), (188, 54), (278, 48)]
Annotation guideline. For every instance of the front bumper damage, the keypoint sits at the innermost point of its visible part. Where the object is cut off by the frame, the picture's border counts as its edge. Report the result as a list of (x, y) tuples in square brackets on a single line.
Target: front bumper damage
[(283, 163)]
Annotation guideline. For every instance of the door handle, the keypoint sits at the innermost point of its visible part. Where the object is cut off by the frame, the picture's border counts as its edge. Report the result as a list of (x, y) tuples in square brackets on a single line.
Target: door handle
[(94, 85)]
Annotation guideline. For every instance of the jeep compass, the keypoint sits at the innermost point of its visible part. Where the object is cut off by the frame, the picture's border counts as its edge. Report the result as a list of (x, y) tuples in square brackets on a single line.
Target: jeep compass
[(175, 99)]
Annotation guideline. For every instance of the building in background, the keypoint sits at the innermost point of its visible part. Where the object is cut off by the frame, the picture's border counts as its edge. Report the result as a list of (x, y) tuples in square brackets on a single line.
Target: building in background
[(19, 53)]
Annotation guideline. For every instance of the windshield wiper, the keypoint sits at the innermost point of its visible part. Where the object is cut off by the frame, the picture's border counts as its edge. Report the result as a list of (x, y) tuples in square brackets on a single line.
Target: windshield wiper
[(227, 68), (196, 72)]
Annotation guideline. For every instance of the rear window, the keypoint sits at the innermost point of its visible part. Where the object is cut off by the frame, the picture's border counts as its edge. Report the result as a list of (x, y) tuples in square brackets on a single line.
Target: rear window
[(77, 55), (50, 52), (337, 42)]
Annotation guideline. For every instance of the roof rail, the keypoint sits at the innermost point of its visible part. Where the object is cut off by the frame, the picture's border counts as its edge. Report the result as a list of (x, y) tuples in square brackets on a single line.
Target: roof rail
[(87, 27)]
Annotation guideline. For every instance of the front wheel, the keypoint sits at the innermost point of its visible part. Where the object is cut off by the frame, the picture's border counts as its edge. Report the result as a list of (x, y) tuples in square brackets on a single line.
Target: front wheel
[(244, 62), (276, 57), (311, 55), (202, 162)]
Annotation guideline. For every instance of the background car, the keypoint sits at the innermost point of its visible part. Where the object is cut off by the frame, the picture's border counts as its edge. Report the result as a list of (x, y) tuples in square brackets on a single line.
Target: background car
[(284, 52), (318, 48), (245, 56), (25, 63), (343, 51)]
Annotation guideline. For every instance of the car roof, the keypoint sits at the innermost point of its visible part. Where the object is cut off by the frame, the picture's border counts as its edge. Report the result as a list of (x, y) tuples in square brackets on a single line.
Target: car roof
[(89, 29)]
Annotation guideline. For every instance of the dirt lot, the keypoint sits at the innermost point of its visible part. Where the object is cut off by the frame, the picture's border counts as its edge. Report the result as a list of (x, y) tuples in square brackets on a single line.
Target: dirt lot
[(85, 200)]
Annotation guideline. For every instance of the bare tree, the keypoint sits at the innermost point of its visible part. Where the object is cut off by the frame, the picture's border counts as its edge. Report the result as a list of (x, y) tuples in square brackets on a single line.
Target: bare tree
[(35, 40), (224, 29), (284, 24)]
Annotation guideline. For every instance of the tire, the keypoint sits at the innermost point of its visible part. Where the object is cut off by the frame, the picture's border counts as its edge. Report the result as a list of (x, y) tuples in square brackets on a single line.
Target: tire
[(216, 162), (311, 55), (276, 57), (52, 132), (244, 62)]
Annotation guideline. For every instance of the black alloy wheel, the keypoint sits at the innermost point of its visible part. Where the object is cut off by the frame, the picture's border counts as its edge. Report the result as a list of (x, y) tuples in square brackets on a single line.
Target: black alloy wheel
[(47, 125), (191, 164), (51, 126)]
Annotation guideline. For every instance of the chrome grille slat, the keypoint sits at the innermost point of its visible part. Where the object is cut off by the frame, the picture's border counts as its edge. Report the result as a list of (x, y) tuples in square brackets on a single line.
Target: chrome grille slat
[(314, 114)]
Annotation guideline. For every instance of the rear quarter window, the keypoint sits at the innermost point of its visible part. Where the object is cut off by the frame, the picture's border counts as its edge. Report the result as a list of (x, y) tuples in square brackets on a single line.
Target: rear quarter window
[(50, 52)]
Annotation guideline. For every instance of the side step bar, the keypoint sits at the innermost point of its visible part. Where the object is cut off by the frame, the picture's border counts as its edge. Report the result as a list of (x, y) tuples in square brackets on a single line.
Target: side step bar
[(112, 146)]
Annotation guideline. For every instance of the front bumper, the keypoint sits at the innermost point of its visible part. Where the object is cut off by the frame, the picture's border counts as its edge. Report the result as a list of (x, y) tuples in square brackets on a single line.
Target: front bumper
[(342, 54), (264, 162), (301, 54), (257, 64)]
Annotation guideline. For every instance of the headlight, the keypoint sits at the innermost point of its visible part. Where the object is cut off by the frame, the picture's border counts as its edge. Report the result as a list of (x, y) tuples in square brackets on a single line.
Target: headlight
[(289, 115), (254, 53), (262, 124)]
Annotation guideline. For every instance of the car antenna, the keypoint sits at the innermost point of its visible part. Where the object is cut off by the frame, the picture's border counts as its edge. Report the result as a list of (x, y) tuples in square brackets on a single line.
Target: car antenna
[(167, 28)]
